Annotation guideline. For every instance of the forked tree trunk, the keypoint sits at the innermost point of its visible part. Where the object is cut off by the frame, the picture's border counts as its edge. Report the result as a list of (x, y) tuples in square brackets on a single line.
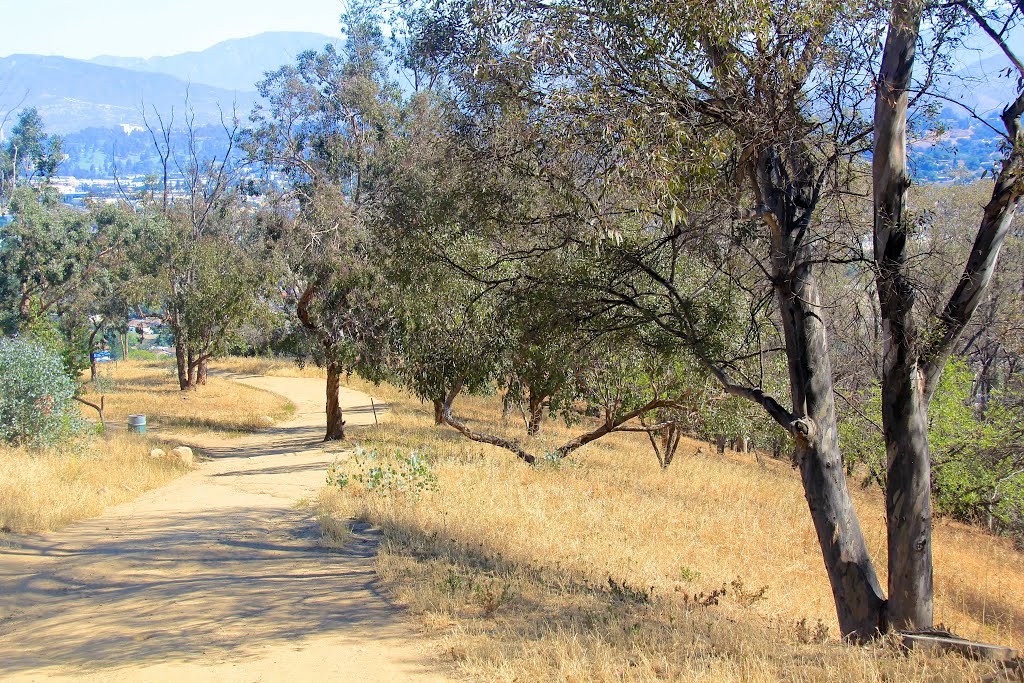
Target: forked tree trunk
[(913, 360), (335, 415)]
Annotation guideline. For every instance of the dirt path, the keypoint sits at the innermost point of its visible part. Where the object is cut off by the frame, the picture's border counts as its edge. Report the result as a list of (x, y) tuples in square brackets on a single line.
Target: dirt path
[(216, 577)]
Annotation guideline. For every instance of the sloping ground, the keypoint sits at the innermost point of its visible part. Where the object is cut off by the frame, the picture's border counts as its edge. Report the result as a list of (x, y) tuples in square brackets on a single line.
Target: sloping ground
[(218, 576)]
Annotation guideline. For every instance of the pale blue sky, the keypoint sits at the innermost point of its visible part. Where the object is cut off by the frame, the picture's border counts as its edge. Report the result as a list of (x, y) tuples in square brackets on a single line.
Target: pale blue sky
[(143, 28)]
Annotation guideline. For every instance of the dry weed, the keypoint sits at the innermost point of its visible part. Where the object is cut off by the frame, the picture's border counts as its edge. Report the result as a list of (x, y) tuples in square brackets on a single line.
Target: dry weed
[(607, 568), (41, 491)]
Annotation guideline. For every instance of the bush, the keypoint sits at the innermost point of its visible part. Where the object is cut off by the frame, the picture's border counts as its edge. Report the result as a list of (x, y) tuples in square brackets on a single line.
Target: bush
[(37, 400), (396, 472)]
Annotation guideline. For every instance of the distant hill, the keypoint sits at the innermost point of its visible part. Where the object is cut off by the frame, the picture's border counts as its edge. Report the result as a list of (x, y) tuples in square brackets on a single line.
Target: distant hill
[(73, 95), (233, 64)]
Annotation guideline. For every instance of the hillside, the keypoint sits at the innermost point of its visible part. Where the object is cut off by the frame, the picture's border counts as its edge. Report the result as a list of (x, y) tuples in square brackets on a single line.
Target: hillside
[(233, 64), (73, 95)]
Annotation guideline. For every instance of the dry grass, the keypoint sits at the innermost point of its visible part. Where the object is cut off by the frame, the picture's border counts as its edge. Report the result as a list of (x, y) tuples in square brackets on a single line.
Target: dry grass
[(48, 490), (150, 388), (44, 491), (271, 367), (605, 568)]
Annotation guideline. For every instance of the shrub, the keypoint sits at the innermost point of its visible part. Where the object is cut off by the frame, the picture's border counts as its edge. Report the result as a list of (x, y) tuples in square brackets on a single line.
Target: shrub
[(36, 396), (387, 473)]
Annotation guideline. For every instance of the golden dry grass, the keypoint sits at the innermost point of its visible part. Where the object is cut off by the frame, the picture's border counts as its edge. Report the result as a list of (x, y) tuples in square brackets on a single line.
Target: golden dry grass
[(47, 490), (270, 367), (150, 388), (42, 491), (604, 568)]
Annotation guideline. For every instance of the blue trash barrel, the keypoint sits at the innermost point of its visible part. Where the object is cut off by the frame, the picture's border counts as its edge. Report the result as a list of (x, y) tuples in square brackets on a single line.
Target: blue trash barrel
[(137, 423)]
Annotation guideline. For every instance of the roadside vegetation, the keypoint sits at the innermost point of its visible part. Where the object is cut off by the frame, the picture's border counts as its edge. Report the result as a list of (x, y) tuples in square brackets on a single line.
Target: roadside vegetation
[(46, 490), (633, 222), (605, 567)]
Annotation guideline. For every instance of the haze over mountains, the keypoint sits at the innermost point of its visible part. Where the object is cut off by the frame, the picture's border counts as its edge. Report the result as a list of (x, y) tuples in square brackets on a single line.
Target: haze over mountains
[(231, 65), (96, 104), (108, 92)]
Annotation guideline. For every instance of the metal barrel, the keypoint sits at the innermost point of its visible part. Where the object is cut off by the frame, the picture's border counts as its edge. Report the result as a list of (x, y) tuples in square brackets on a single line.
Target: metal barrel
[(137, 423)]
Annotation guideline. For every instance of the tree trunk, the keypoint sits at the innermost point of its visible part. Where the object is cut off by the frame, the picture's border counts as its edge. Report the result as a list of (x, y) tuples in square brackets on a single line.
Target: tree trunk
[(202, 371), (181, 360), (904, 406), (720, 443), (335, 416), (785, 179), (192, 371), (93, 369), (859, 601), (536, 414), (507, 404), (439, 411)]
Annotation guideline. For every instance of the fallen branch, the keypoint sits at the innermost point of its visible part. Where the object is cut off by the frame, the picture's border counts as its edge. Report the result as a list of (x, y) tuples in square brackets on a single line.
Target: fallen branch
[(609, 426), (942, 642), (480, 437), (98, 408)]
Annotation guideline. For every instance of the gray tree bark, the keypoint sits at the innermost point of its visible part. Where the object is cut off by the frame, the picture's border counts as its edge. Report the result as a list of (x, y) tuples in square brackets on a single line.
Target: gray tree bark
[(785, 179), (904, 406)]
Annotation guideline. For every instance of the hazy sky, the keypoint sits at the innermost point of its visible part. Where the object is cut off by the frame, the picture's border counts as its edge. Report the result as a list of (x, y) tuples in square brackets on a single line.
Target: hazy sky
[(147, 28)]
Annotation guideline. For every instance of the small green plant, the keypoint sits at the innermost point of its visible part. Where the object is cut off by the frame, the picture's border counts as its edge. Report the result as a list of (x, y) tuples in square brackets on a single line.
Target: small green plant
[(336, 476), (36, 396), (388, 473), (688, 574)]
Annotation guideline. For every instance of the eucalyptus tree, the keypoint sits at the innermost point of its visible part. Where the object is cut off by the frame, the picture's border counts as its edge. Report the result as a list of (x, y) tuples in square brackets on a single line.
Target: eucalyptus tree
[(328, 128), (710, 153), (51, 253), (917, 348), (204, 249), (29, 155)]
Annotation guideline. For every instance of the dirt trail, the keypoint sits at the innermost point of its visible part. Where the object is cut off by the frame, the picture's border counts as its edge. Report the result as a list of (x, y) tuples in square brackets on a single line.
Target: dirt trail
[(217, 576)]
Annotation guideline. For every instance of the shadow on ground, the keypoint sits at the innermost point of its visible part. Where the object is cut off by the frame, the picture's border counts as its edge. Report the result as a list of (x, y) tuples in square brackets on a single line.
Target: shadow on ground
[(170, 594)]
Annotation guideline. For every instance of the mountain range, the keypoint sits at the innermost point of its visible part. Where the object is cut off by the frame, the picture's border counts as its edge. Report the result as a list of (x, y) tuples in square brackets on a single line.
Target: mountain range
[(110, 92), (232, 65), (97, 104)]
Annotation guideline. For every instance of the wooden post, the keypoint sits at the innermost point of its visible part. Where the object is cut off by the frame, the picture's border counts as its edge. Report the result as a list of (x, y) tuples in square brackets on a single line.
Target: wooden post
[(374, 408)]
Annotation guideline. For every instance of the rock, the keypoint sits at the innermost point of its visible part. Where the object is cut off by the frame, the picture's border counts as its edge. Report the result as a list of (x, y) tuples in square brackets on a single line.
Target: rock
[(184, 454), (158, 453), (266, 421)]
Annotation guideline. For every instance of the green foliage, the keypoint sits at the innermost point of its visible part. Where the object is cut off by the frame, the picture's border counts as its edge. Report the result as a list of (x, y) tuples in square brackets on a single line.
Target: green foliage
[(29, 154), (977, 463), (37, 402), (389, 473)]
